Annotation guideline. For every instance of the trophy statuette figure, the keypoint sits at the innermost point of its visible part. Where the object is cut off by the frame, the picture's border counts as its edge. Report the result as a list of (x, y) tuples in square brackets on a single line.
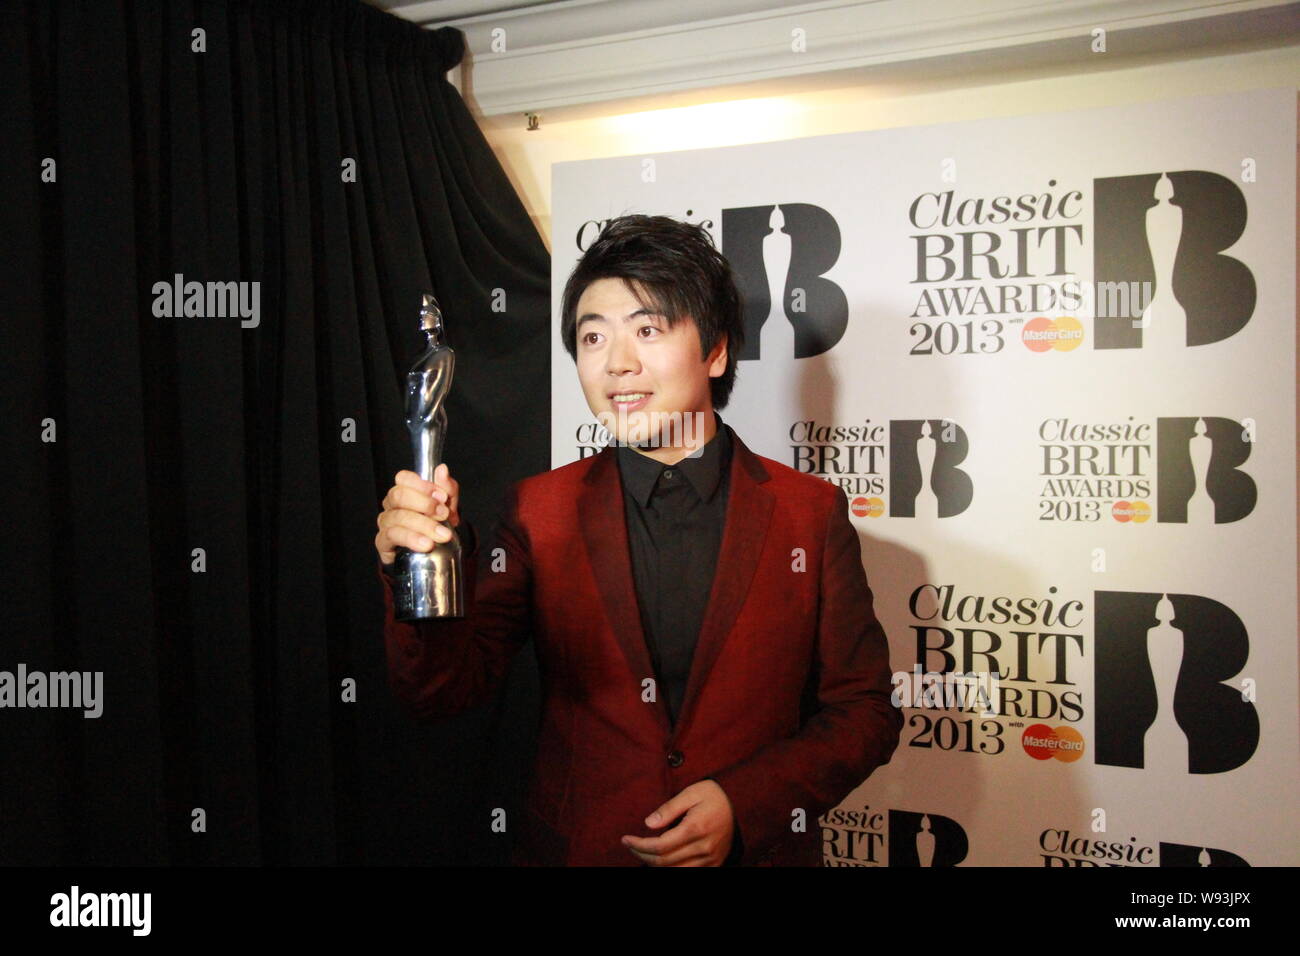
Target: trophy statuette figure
[(429, 584)]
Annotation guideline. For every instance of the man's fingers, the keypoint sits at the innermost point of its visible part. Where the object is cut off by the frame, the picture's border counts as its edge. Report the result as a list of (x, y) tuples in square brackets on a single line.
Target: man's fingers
[(696, 849), (411, 530), (408, 499), (405, 500), (447, 488), (693, 853), (416, 515), (410, 479), (387, 541), (666, 815), (667, 812), (404, 497), (401, 525), (697, 818), (445, 492), (665, 842)]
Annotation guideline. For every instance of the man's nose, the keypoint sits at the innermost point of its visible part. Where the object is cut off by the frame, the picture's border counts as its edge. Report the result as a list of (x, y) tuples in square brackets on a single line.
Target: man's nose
[(621, 357)]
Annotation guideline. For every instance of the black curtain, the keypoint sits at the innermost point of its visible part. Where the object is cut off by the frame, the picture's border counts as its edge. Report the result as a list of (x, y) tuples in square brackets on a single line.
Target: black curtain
[(138, 149)]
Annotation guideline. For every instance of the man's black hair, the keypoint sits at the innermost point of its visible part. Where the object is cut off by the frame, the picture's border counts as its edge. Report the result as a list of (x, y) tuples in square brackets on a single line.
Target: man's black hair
[(674, 269)]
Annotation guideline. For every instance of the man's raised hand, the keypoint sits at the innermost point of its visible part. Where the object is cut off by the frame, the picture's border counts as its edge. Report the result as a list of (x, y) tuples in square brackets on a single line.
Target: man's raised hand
[(416, 511)]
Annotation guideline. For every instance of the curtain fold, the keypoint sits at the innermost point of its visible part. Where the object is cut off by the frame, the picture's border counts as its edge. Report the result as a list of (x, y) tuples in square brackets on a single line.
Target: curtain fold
[(192, 498)]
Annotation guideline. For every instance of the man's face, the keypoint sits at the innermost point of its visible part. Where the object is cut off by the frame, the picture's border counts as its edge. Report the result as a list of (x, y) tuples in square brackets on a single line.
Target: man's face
[(624, 348)]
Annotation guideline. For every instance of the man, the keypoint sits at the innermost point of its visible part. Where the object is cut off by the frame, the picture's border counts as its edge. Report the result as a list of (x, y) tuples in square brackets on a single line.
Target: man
[(714, 675)]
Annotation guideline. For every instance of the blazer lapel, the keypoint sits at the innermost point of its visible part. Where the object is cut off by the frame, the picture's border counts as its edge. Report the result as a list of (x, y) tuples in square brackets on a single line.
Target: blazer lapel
[(604, 529), (749, 510)]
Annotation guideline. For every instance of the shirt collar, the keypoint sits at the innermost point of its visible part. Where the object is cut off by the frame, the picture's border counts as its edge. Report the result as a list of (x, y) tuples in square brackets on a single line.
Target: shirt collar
[(703, 470)]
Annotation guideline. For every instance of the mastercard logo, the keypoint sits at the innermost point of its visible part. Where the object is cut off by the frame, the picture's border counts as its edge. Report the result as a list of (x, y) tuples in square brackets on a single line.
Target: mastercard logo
[(1063, 333), (1043, 743), (867, 507), (1136, 511)]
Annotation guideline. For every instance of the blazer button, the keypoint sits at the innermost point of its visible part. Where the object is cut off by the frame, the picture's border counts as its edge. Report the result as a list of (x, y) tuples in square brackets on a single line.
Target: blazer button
[(676, 758)]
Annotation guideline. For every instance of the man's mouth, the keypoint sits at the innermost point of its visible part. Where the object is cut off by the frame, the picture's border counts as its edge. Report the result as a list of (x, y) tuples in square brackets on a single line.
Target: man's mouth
[(630, 401)]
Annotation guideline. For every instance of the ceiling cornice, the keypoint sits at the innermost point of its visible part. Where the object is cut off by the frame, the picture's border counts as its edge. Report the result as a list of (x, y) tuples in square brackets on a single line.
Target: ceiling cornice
[(585, 51)]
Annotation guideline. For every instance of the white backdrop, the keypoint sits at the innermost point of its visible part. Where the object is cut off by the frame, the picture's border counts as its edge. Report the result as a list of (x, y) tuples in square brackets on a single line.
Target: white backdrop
[(1100, 509)]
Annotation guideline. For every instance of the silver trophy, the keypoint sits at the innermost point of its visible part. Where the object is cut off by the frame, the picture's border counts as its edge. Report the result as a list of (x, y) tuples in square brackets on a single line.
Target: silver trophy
[(429, 584)]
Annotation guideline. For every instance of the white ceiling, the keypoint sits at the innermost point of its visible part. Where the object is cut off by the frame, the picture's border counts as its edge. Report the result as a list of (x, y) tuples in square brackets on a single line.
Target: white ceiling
[(554, 21), (583, 55), (443, 11)]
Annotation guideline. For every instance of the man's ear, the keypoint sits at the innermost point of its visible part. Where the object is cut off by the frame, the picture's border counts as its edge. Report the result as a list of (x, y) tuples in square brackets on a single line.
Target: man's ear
[(718, 359)]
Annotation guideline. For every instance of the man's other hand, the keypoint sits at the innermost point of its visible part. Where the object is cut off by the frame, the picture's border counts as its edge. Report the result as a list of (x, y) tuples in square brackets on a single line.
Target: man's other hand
[(701, 838)]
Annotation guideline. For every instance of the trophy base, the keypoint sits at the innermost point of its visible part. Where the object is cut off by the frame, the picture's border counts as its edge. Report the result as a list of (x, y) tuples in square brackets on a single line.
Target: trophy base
[(428, 585)]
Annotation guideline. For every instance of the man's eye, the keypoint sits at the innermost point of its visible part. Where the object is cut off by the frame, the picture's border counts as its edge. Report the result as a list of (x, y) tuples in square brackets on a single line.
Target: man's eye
[(644, 327), (587, 338)]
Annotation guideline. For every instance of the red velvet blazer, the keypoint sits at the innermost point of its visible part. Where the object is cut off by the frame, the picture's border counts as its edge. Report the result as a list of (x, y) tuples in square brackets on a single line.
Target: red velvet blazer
[(787, 705)]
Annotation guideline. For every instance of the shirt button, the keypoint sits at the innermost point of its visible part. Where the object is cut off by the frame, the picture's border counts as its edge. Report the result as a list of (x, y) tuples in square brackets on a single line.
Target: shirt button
[(668, 473), (676, 758)]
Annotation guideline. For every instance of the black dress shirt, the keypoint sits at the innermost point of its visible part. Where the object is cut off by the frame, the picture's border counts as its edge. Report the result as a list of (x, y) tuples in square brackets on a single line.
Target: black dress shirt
[(675, 515)]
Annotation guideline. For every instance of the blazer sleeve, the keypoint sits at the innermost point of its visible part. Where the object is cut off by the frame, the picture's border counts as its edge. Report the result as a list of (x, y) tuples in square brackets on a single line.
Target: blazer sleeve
[(855, 727), (441, 668)]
